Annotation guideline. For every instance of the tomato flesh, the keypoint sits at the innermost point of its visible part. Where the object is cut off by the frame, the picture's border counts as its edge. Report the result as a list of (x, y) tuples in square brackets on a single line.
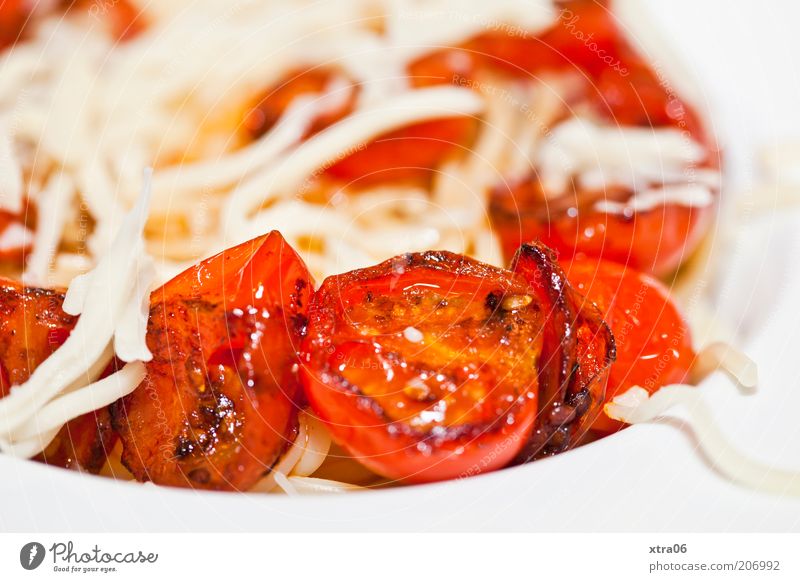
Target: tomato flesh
[(219, 403), (654, 345), (407, 154), (13, 16), (32, 327), (655, 241), (425, 367), (271, 106)]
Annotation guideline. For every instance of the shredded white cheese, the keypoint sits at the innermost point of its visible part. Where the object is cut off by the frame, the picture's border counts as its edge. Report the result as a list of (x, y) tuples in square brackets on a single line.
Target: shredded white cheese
[(110, 301), (348, 136), (604, 155), (54, 204), (722, 356), (11, 192), (420, 26), (303, 458), (691, 196)]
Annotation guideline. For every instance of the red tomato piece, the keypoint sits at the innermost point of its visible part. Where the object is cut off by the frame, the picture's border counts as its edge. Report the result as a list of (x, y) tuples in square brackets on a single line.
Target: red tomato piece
[(417, 368), (655, 241), (125, 19), (432, 366), (408, 154), (82, 444), (271, 106), (219, 403), (32, 327), (585, 38), (578, 349), (618, 85), (13, 16), (654, 343)]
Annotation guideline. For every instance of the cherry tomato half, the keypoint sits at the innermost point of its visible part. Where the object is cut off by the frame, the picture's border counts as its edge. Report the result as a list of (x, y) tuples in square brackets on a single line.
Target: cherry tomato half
[(32, 327), (655, 241), (219, 403), (432, 366), (13, 246), (654, 344), (619, 87), (425, 367)]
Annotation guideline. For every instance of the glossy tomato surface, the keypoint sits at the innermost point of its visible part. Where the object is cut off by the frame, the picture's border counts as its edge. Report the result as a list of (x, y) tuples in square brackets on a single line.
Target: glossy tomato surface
[(220, 400), (425, 367), (654, 344), (32, 327), (434, 366)]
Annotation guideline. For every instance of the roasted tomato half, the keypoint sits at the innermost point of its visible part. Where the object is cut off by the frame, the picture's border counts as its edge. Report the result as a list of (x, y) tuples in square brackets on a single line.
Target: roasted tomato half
[(32, 327), (654, 345), (614, 86), (656, 241), (429, 366), (219, 403)]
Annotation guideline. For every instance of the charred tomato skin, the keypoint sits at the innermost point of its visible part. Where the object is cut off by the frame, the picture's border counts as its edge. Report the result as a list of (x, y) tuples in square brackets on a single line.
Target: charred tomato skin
[(387, 345), (32, 326), (577, 353), (220, 400)]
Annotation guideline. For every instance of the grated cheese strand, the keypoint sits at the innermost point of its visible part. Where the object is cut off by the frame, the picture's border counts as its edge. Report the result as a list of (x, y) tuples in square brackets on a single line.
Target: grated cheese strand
[(225, 171), (629, 156), (53, 204), (11, 192), (283, 482), (95, 396), (724, 357), (305, 456), (348, 135), (101, 297), (301, 485)]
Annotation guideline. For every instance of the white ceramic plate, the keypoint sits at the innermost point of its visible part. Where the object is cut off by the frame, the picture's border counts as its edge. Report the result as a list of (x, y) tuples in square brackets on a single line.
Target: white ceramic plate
[(648, 478)]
